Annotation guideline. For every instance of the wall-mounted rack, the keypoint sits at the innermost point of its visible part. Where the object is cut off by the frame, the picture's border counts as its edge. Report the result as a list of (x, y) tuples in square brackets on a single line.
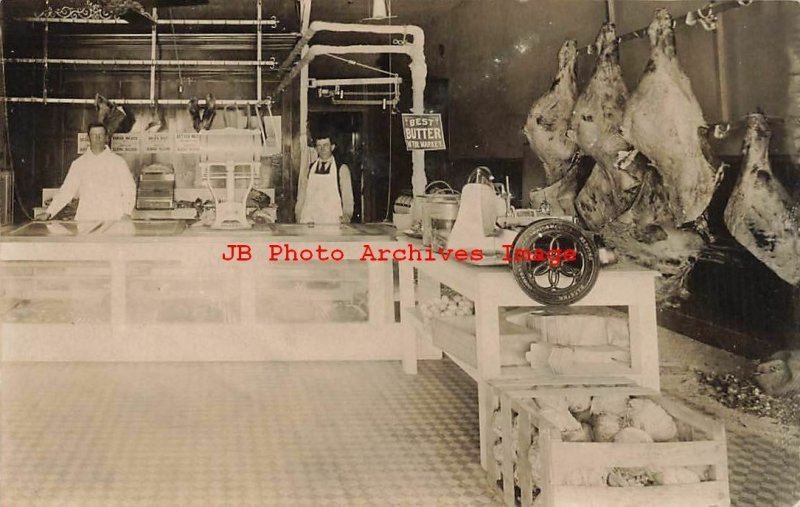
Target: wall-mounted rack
[(273, 21), (141, 102), (106, 61), (94, 15)]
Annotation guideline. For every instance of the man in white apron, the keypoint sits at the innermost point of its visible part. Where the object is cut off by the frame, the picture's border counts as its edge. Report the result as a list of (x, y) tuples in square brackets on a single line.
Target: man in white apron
[(324, 191)]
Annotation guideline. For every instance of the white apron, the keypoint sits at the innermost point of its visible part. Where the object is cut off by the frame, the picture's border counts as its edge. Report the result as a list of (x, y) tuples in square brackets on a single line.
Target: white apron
[(322, 204)]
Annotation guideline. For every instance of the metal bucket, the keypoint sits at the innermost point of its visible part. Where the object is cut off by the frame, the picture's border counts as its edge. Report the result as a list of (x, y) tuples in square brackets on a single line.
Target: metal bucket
[(441, 207)]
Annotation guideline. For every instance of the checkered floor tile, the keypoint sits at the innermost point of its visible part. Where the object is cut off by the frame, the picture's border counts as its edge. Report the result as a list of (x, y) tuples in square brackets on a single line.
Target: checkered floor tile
[(239, 434), (262, 434)]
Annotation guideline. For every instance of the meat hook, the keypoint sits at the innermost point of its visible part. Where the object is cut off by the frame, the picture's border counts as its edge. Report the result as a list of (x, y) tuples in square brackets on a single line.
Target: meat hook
[(721, 130), (708, 20)]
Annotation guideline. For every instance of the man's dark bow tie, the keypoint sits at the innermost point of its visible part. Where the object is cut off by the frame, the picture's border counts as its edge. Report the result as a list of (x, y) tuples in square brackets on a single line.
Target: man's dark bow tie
[(323, 167)]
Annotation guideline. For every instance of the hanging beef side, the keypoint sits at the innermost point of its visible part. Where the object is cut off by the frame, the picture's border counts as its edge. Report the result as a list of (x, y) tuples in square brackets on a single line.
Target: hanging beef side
[(759, 211), (664, 121), (615, 180), (549, 118)]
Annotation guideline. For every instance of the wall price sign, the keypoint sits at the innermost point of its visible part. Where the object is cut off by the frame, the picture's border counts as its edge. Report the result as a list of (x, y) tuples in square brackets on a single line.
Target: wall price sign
[(188, 142), (157, 142), (423, 132), (120, 143)]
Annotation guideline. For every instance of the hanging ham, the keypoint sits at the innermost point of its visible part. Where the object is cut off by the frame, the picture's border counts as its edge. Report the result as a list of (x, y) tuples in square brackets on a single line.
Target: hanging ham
[(549, 118), (663, 120), (614, 181), (759, 211)]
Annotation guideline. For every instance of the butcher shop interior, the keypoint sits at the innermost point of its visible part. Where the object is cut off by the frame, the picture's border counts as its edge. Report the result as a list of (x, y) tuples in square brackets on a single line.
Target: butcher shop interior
[(399, 252)]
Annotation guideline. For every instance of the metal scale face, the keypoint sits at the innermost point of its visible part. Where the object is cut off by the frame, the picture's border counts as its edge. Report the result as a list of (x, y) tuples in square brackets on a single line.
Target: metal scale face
[(554, 262)]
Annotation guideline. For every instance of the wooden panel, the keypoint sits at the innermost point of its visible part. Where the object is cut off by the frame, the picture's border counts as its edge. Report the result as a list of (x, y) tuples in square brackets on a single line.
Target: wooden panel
[(683, 495), (569, 456)]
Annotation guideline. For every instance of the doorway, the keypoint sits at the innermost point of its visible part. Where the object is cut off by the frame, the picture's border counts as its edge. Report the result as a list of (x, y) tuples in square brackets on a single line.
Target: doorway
[(346, 128)]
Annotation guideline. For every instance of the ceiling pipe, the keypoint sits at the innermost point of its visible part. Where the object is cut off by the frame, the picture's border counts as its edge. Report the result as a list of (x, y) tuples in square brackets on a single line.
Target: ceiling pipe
[(419, 73)]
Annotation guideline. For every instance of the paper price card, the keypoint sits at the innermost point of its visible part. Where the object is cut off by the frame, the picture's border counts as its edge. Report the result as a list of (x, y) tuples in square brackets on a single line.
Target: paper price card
[(187, 142), (125, 143), (83, 142), (157, 142)]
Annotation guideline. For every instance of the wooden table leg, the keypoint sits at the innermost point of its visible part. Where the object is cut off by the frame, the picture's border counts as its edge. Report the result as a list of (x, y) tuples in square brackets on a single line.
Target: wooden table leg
[(409, 332), (644, 335), (487, 336), (379, 293)]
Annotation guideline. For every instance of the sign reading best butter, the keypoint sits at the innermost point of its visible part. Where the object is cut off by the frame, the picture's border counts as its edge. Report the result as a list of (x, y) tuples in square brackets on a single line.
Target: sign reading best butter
[(423, 131)]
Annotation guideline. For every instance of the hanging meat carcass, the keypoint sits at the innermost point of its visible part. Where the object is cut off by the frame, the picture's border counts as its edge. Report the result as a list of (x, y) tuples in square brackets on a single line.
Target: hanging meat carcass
[(549, 117), (614, 181), (759, 211), (663, 120), (560, 196)]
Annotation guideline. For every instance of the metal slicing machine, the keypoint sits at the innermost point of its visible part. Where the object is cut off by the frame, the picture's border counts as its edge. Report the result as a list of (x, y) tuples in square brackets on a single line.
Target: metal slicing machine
[(544, 270), (486, 220), (230, 156)]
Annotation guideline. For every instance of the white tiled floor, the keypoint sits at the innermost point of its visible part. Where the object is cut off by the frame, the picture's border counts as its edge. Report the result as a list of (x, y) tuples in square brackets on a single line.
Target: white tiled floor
[(260, 434), (208, 434)]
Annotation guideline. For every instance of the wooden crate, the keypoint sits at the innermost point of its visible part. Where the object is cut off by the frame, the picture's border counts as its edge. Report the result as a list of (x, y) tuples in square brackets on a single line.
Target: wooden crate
[(557, 458)]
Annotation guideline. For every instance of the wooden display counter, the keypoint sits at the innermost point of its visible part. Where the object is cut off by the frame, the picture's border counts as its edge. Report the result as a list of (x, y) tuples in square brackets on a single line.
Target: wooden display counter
[(493, 288), (159, 291)]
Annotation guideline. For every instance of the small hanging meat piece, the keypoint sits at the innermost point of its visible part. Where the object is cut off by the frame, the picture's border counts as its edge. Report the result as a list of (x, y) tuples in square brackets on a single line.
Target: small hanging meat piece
[(209, 113), (194, 112), (662, 120), (110, 115), (549, 117), (759, 211)]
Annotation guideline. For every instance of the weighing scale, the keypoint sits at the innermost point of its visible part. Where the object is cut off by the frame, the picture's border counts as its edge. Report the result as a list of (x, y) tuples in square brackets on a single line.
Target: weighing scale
[(230, 155)]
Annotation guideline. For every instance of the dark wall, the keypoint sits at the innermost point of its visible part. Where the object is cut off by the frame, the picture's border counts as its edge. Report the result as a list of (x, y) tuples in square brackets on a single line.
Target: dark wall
[(499, 56), (739, 68)]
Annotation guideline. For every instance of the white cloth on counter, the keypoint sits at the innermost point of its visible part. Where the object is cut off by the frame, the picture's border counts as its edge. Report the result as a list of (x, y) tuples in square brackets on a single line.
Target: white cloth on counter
[(102, 183)]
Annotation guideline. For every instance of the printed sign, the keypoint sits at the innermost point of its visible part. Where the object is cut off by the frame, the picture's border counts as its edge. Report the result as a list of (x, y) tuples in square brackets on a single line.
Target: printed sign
[(125, 143), (187, 142), (423, 132), (157, 142), (83, 142)]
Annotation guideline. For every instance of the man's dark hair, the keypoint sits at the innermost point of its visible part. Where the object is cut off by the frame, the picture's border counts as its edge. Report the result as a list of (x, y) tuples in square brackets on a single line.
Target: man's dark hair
[(325, 134), (95, 124)]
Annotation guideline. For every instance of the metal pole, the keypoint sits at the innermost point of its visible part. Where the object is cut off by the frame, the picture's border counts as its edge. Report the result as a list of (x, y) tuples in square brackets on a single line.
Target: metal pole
[(303, 131), (611, 11), (45, 47), (153, 57), (258, 53), (722, 71)]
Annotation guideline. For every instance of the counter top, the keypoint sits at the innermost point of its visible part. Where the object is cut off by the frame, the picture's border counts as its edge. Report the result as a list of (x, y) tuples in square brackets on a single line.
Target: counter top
[(162, 230)]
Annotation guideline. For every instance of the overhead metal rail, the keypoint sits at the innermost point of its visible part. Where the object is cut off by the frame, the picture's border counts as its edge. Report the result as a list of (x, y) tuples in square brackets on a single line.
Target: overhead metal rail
[(95, 17)]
